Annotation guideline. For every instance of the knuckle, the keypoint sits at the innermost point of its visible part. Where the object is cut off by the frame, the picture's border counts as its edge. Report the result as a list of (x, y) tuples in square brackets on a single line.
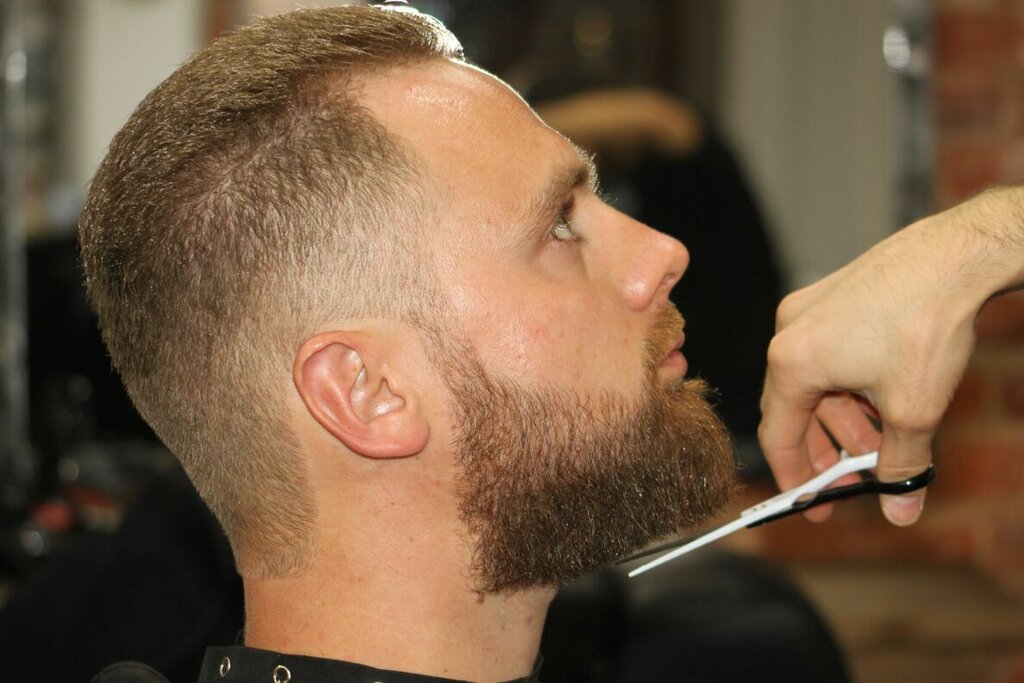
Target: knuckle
[(787, 350), (790, 307), (786, 310)]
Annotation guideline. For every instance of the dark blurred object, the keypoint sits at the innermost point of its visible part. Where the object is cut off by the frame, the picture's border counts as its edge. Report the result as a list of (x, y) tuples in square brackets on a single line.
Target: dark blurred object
[(75, 394), (711, 618), (25, 543), (129, 672), (672, 45), (91, 451), (16, 461), (724, 617), (158, 591)]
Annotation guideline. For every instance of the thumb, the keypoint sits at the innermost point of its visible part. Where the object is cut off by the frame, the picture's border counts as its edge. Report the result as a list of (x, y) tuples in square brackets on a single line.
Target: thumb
[(903, 455)]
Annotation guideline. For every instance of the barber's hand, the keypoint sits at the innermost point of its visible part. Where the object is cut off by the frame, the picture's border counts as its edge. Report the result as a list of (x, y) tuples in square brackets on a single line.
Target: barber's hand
[(888, 335)]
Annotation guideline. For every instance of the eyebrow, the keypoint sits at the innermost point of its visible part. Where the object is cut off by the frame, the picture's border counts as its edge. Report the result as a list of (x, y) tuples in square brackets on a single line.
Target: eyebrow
[(582, 171)]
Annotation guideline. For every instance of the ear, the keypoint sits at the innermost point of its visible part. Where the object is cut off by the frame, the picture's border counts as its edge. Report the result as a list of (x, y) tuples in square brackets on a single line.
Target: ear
[(358, 397)]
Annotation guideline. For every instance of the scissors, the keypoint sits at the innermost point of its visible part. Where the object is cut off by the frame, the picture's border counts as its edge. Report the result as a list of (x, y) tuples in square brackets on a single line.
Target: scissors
[(807, 495)]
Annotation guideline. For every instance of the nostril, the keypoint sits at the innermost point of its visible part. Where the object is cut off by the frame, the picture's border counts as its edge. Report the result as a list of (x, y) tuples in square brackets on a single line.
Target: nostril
[(671, 279)]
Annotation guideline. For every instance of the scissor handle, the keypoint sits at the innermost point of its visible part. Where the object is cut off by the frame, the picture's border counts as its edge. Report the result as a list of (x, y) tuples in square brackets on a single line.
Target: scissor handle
[(868, 484), (802, 497)]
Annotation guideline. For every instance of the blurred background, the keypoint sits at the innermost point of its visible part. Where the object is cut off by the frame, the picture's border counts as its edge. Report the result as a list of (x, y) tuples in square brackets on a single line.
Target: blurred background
[(778, 139)]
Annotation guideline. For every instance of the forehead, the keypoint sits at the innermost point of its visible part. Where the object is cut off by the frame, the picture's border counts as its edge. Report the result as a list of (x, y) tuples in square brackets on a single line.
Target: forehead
[(484, 148)]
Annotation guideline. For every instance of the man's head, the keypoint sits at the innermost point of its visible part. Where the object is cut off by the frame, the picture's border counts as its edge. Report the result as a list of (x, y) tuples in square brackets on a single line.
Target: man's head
[(328, 245), (244, 206)]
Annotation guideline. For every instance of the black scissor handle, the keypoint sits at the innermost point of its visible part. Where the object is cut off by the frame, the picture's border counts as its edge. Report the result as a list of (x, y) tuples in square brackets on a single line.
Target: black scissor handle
[(868, 484)]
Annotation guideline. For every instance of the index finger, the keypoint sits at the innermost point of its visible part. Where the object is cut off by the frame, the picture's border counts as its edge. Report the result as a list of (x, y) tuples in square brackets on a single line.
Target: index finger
[(786, 414)]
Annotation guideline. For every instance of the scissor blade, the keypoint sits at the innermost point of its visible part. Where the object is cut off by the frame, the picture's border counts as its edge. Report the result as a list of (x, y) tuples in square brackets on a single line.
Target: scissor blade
[(710, 536), (768, 508)]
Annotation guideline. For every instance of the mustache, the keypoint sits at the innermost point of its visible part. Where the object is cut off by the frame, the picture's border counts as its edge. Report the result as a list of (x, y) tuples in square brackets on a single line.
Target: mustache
[(667, 325)]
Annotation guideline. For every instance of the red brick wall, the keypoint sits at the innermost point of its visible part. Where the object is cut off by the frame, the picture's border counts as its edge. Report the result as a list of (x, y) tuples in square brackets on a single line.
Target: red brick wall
[(979, 116)]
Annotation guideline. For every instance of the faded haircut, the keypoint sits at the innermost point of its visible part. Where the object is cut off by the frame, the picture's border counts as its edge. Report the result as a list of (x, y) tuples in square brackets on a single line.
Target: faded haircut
[(248, 201)]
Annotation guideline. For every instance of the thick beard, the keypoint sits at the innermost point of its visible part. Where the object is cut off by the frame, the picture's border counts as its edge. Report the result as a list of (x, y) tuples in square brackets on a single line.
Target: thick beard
[(554, 484)]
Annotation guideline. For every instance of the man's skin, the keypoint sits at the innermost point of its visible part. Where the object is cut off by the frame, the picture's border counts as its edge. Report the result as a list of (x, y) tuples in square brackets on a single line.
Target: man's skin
[(889, 335), (391, 584)]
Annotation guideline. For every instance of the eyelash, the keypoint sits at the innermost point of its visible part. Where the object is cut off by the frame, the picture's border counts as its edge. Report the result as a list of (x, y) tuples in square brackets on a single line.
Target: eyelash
[(564, 221)]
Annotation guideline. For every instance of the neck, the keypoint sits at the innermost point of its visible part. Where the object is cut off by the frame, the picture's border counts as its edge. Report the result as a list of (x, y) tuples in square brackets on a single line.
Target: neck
[(400, 607)]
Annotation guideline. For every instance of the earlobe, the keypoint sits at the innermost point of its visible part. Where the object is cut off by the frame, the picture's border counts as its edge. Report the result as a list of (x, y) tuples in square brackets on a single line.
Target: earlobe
[(360, 399)]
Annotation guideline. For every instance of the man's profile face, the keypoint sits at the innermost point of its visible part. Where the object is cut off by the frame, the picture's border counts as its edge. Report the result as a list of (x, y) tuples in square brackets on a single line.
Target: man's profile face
[(539, 308), (558, 309)]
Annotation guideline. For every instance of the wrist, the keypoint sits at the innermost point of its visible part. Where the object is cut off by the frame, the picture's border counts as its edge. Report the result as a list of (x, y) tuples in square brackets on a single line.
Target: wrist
[(995, 227), (985, 238)]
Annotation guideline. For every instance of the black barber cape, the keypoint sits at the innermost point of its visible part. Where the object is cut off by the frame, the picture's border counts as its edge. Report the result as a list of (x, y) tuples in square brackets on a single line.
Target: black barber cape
[(249, 665), (240, 664)]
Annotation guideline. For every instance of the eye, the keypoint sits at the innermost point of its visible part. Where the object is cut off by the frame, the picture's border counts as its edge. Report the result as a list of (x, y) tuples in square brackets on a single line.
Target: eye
[(562, 230)]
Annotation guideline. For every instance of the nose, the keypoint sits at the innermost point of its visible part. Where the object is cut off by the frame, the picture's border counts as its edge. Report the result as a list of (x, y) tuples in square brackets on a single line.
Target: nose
[(655, 264)]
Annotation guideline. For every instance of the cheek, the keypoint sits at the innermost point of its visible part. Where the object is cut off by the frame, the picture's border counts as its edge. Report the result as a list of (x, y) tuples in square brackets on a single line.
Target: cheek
[(518, 338), (569, 342), (540, 331)]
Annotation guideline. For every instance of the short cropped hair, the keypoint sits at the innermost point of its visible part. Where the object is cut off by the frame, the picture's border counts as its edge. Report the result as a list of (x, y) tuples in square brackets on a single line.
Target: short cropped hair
[(249, 200)]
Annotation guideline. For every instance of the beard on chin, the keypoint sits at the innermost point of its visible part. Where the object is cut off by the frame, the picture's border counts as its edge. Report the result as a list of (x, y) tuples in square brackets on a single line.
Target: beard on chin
[(554, 483)]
